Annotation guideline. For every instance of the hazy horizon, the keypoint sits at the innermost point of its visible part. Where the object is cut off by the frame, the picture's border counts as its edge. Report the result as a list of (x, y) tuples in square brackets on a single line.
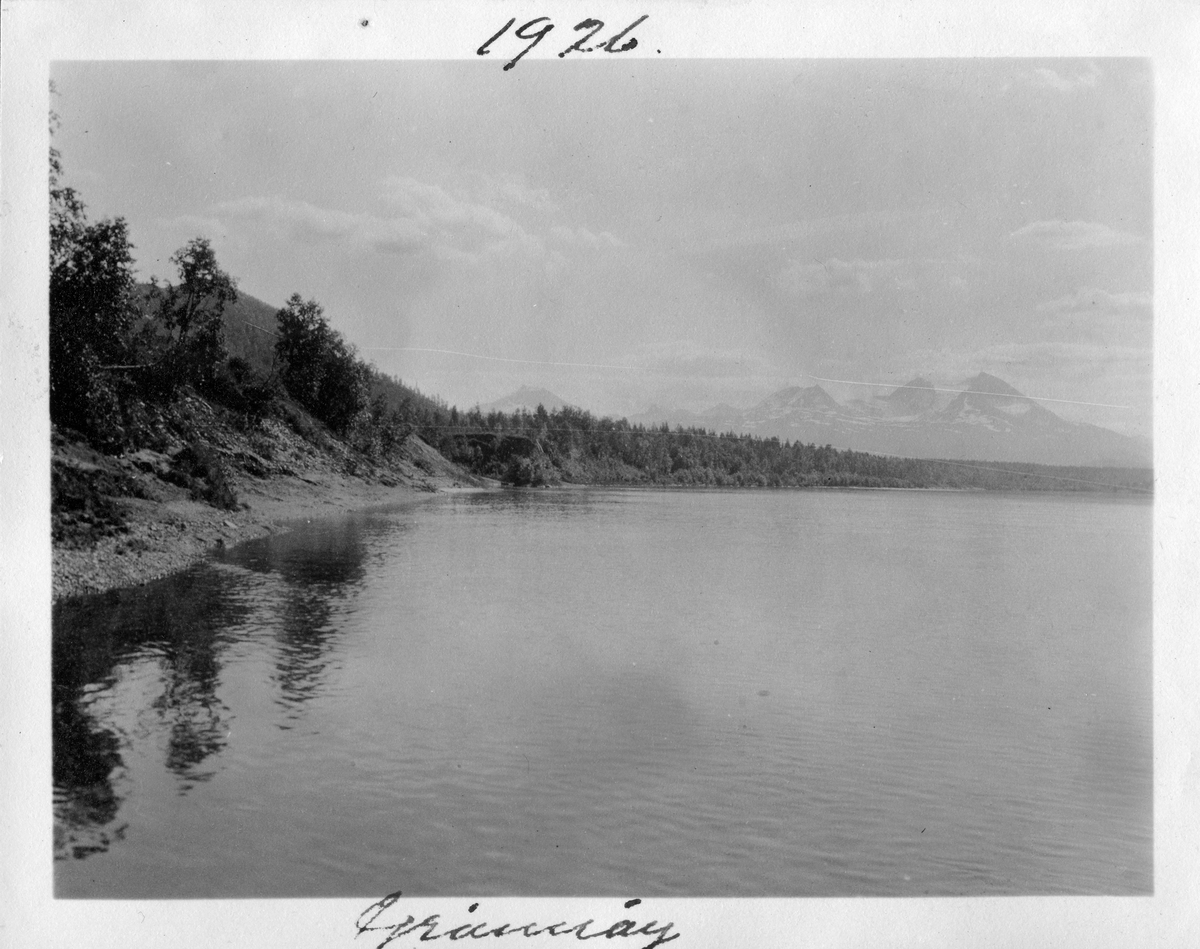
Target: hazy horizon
[(677, 233)]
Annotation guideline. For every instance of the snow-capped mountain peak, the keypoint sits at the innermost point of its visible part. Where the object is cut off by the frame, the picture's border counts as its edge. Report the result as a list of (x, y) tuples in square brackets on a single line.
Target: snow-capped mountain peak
[(982, 419)]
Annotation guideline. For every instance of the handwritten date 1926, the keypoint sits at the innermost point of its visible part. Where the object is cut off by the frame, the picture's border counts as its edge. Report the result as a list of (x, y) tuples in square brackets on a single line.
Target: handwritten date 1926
[(527, 32)]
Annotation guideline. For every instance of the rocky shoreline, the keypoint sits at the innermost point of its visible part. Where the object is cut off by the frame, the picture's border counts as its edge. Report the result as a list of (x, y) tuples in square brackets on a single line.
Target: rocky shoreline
[(161, 538), (124, 520)]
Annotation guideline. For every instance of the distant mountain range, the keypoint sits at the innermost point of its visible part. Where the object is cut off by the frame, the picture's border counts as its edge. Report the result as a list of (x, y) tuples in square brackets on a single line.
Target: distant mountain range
[(986, 419), (527, 398)]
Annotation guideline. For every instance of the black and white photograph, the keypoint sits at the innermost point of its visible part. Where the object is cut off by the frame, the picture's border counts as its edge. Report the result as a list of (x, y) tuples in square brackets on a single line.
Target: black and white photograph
[(578, 470)]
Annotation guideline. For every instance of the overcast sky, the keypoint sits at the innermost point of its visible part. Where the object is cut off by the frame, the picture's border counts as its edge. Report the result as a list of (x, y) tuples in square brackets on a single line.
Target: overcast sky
[(672, 232)]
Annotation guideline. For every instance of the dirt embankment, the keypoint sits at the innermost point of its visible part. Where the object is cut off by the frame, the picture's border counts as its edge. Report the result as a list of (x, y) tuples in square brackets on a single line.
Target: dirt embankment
[(122, 520)]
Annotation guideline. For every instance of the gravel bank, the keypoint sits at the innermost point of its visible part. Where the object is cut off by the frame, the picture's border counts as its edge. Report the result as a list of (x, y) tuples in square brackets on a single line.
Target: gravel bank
[(163, 537), (124, 520)]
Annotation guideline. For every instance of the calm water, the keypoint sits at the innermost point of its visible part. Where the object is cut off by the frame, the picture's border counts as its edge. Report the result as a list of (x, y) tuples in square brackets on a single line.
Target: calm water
[(615, 692)]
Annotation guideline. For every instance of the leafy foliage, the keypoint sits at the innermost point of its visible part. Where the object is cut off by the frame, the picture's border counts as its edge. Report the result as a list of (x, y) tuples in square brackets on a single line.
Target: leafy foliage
[(190, 312), (242, 388), (91, 313), (319, 370)]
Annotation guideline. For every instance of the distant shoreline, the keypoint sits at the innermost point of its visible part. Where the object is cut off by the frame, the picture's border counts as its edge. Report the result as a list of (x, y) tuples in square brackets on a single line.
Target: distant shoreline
[(1118, 490)]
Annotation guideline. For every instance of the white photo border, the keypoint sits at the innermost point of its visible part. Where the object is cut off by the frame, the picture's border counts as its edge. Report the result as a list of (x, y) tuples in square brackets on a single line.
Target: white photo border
[(37, 33)]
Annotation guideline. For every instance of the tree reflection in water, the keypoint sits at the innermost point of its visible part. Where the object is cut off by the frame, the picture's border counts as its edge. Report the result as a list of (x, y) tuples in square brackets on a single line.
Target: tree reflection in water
[(320, 567), (85, 756), (180, 628), (177, 625)]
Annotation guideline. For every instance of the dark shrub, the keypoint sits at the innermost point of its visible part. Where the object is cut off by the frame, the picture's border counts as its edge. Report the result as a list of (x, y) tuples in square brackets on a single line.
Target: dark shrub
[(239, 386), (204, 473)]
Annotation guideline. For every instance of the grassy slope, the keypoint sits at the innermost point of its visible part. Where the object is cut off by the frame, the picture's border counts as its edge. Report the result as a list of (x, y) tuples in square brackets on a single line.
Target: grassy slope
[(120, 520)]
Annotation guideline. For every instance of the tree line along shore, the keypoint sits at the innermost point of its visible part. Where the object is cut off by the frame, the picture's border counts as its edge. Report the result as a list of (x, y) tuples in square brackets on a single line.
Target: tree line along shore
[(185, 414)]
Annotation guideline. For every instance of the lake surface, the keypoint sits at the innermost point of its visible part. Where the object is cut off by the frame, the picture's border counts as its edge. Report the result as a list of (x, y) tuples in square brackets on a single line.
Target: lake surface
[(623, 692)]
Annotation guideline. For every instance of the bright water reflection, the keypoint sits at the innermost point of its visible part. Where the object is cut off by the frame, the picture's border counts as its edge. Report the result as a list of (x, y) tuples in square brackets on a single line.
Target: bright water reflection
[(700, 693)]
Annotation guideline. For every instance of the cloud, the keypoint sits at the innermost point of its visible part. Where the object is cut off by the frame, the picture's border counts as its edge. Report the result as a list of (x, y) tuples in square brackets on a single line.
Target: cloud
[(1069, 358), (195, 224), (417, 218), (920, 219), (513, 191), (300, 220), (425, 220), (1074, 235), (1091, 316), (801, 278), (582, 237), (1066, 79), (455, 226), (683, 358), (1094, 300)]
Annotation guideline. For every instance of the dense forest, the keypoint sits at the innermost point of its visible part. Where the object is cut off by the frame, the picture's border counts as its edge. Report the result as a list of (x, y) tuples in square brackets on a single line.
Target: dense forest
[(123, 353), (571, 445)]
